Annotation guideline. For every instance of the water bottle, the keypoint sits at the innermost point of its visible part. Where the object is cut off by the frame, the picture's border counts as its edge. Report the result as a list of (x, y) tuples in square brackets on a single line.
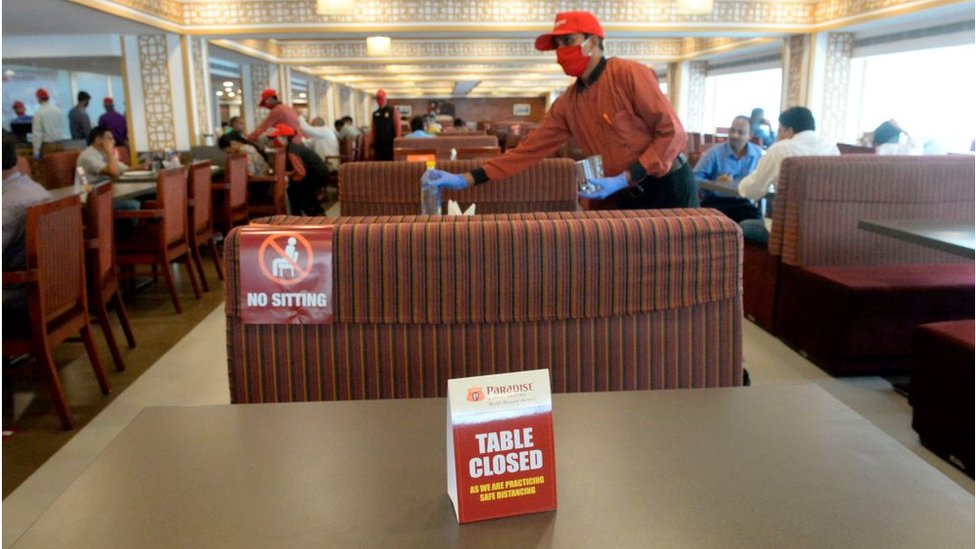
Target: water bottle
[(430, 194), (81, 181), (453, 154)]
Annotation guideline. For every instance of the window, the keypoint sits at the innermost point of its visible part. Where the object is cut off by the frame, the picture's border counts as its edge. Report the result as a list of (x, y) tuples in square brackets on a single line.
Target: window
[(729, 95), (929, 92)]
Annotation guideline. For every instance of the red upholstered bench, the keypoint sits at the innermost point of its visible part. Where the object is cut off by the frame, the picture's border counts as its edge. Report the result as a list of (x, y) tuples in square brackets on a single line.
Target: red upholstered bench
[(942, 390), (859, 320)]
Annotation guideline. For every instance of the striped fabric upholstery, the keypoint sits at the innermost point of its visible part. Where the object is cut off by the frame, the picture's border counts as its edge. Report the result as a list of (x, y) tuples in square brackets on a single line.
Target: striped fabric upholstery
[(820, 200), (393, 188), (608, 300), (444, 144)]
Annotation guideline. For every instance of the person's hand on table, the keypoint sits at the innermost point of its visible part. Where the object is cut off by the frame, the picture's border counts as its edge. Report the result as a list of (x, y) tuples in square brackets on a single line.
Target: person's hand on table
[(446, 180), (724, 178), (605, 186)]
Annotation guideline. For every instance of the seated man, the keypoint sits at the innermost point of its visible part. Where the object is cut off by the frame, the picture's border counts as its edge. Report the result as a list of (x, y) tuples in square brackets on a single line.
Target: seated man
[(323, 140), (761, 127), (234, 143), (19, 192), (99, 160), (888, 140), (348, 130), (795, 137), (728, 163), (417, 128), (101, 164)]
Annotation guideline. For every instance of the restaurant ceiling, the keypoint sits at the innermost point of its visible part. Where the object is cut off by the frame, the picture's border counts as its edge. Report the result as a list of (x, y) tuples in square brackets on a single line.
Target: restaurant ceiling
[(438, 43)]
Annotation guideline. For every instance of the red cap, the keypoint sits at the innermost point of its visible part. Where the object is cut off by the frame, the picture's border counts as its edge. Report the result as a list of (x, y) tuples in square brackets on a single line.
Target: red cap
[(42, 94), (569, 22), (108, 101), (282, 130), (267, 94), (17, 105)]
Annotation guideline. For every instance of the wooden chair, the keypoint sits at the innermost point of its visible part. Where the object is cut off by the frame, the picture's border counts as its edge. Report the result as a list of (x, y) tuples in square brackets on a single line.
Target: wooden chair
[(103, 284), (266, 193), (360, 153), (466, 153), (57, 303), (200, 216), (230, 197), (347, 150), (163, 237), (58, 169), (402, 154)]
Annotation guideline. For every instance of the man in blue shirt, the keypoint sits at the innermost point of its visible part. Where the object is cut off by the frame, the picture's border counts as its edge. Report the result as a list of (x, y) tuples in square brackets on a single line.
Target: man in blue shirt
[(417, 125), (729, 162)]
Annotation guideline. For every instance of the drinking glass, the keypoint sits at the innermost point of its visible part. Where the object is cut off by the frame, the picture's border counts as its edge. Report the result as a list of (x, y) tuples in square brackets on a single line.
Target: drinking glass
[(586, 169)]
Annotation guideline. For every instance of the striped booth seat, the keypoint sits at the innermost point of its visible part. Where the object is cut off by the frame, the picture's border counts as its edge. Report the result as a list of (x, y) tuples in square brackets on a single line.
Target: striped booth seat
[(607, 301), (393, 188), (846, 297)]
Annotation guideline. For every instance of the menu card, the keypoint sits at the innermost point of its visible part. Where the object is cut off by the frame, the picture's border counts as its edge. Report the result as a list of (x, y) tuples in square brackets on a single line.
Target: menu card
[(500, 452)]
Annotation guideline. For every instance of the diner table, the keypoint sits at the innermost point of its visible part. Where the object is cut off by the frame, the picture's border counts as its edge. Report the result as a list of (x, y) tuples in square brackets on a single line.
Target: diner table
[(732, 189), (119, 190), (770, 466), (954, 237)]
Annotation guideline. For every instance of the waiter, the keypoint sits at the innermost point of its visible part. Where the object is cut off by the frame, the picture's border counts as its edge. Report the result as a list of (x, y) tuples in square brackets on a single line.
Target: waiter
[(614, 109), (386, 127), (279, 114), (48, 123)]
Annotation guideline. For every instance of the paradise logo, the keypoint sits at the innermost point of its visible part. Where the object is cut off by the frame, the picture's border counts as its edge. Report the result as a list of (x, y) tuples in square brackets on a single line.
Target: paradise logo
[(475, 394)]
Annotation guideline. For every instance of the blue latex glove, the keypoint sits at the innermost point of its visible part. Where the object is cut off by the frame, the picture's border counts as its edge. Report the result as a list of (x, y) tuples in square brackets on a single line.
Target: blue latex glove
[(605, 186), (445, 180)]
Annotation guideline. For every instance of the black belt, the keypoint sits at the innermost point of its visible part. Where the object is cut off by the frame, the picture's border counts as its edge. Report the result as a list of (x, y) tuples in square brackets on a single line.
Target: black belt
[(679, 162)]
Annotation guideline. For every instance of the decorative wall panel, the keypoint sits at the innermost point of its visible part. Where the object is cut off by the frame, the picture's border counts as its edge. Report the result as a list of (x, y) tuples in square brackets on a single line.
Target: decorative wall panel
[(620, 13), (696, 96), (467, 48), (321, 91), (201, 73), (158, 100), (171, 10), (837, 79), (260, 81), (797, 49), (422, 12)]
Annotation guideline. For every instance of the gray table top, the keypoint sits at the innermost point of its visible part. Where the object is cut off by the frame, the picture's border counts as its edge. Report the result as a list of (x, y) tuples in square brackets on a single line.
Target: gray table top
[(119, 190), (954, 237), (780, 466), (726, 189)]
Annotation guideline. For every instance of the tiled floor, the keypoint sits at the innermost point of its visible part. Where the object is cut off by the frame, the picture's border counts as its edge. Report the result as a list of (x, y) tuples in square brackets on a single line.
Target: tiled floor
[(193, 372)]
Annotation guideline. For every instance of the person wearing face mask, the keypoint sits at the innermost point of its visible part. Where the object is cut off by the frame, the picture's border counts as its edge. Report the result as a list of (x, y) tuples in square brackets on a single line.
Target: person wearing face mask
[(614, 109), (385, 128)]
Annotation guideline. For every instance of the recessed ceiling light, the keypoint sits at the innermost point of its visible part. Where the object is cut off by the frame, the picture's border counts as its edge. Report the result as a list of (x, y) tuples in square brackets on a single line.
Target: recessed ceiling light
[(230, 94), (220, 93), (228, 84), (303, 95)]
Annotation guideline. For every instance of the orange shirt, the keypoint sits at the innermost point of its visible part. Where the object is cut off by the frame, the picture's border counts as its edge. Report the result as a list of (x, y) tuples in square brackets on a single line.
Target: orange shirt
[(280, 114), (620, 114)]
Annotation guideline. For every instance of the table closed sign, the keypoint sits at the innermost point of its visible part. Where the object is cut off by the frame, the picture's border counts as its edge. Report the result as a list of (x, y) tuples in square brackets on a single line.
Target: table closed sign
[(500, 455), (286, 274)]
